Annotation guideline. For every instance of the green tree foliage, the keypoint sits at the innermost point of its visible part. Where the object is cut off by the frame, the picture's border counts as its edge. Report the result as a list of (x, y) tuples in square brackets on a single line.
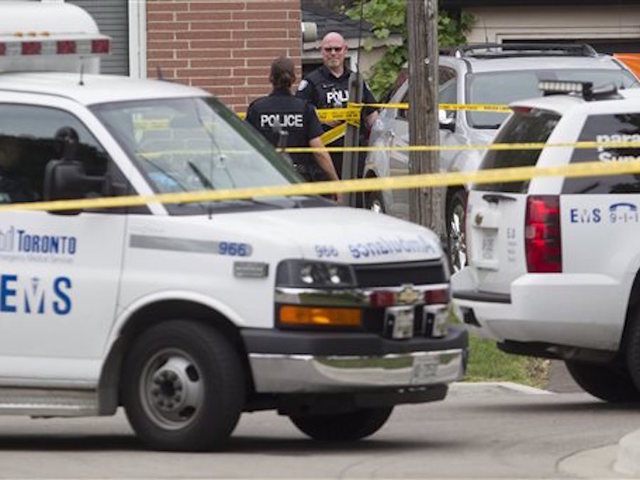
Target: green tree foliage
[(389, 16)]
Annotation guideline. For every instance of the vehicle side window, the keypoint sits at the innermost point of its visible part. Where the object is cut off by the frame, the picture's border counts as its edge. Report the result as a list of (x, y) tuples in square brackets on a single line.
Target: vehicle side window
[(607, 128), (447, 91), (30, 139)]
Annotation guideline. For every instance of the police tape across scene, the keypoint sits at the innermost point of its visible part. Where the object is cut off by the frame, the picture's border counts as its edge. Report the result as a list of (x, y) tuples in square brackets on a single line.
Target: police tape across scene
[(430, 180), (599, 145)]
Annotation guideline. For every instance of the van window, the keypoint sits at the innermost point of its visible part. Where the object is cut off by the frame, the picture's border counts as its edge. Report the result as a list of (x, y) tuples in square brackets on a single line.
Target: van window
[(534, 126), (607, 128), (28, 142)]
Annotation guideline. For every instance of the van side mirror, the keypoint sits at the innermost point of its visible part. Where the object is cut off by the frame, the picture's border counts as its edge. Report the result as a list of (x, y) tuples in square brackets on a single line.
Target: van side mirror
[(447, 122), (66, 179)]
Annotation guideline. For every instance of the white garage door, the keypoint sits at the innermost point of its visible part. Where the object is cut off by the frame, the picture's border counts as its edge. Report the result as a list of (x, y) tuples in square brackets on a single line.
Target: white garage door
[(113, 20)]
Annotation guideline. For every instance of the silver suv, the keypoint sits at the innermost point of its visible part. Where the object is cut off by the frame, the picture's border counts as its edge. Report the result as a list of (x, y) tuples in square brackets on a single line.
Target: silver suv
[(478, 74)]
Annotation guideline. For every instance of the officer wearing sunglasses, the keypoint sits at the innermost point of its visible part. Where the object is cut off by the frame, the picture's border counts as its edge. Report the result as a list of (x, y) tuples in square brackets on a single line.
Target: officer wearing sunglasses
[(328, 87)]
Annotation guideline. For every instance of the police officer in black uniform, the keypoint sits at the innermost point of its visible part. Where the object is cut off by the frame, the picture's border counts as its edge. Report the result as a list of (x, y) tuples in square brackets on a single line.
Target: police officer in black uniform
[(328, 87), (282, 112)]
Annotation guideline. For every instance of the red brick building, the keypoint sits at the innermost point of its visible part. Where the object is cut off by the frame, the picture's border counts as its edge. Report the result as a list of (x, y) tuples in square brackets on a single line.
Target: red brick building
[(222, 46)]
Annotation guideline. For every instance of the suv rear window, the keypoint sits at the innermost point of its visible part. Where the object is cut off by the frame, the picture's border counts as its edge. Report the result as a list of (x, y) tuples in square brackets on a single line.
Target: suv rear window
[(534, 126), (607, 128)]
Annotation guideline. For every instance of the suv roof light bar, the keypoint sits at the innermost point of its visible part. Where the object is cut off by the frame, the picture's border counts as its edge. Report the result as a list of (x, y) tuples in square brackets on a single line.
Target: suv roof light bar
[(497, 50), (584, 89)]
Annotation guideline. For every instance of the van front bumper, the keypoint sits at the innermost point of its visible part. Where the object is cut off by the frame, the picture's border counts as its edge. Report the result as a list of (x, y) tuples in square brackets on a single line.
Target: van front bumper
[(317, 362)]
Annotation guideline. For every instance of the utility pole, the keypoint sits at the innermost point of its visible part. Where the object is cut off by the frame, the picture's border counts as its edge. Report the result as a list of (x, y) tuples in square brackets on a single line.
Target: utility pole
[(352, 139), (426, 206)]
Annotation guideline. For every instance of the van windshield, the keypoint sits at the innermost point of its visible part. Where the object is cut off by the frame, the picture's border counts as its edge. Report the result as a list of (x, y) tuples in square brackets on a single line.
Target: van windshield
[(193, 144), (522, 84)]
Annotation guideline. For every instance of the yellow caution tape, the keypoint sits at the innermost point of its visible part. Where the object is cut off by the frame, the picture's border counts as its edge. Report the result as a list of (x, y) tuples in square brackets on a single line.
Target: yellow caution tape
[(359, 185), (473, 107), (491, 146), (330, 136)]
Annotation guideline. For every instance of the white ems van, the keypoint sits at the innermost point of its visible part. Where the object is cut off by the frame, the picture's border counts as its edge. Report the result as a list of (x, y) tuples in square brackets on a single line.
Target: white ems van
[(188, 314)]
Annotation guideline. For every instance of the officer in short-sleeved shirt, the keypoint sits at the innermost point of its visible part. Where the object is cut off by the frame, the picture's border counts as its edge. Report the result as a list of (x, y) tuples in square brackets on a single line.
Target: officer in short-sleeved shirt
[(282, 111), (328, 87)]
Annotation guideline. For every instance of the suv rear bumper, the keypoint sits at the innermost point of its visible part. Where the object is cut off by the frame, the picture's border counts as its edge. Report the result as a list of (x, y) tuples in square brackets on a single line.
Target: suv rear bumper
[(581, 310), (317, 362)]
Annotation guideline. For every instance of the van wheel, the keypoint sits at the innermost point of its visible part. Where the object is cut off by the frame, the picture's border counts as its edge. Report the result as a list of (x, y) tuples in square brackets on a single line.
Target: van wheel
[(607, 382), (183, 386), (374, 202), (343, 426), (456, 217)]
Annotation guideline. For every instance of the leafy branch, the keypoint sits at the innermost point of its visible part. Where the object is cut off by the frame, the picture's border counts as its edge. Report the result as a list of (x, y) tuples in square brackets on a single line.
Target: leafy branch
[(389, 16)]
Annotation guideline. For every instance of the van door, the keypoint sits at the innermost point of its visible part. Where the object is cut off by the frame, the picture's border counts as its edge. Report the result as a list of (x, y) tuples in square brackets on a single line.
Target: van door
[(59, 272)]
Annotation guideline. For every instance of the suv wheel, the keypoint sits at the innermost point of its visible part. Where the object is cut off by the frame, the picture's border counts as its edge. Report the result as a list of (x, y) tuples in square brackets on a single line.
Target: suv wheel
[(633, 350), (375, 202), (607, 382), (456, 217)]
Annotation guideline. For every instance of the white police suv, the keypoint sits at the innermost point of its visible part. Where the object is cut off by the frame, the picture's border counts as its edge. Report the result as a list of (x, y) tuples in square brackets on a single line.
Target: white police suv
[(188, 314), (554, 262)]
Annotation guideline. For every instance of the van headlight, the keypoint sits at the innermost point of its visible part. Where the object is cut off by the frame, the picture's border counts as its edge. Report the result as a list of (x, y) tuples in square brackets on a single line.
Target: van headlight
[(311, 274)]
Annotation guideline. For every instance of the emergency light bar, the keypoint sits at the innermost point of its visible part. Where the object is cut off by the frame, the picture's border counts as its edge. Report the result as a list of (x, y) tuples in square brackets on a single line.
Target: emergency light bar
[(44, 44), (585, 89)]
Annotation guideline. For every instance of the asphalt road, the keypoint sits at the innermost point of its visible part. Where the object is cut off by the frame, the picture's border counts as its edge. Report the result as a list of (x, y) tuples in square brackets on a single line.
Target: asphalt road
[(479, 431)]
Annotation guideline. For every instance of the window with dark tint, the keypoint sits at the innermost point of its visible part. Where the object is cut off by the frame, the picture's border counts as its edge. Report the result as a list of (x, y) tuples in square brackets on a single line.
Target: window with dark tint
[(534, 126), (30, 139), (607, 128)]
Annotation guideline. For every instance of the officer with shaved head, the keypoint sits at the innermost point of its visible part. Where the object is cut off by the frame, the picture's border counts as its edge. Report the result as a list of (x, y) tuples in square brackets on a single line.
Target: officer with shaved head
[(328, 87)]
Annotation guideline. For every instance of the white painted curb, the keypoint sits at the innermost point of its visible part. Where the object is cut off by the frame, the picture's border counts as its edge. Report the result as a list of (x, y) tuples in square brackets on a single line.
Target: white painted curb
[(628, 461)]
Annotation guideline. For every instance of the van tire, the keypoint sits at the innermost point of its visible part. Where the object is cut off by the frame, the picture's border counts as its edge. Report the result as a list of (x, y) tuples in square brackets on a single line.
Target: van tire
[(456, 218), (183, 386), (607, 382), (343, 427)]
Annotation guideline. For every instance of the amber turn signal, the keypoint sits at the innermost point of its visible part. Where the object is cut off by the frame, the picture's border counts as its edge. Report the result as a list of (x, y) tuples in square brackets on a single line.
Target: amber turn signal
[(332, 317)]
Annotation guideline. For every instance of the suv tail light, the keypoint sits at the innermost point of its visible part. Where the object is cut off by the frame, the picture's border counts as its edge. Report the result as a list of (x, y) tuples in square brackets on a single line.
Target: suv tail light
[(542, 234)]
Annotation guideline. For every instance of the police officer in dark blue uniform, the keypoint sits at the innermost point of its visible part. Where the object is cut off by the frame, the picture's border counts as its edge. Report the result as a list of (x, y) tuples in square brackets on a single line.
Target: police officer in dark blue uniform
[(282, 112), (328, 87)]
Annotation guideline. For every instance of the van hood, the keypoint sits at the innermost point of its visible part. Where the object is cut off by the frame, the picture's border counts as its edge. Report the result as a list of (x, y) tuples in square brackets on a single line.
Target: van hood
[(337, 234)]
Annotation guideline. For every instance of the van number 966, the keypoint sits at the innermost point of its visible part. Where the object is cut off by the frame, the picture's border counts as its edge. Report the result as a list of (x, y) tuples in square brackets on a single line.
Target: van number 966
[(234, 249), (326, 251)]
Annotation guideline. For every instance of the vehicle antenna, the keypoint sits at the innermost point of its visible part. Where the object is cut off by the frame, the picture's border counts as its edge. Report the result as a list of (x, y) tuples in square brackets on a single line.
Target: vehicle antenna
[(81, 82)]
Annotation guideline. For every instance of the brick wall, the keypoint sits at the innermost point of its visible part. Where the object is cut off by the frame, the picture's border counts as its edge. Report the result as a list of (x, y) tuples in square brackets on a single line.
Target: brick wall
[(223, 46)]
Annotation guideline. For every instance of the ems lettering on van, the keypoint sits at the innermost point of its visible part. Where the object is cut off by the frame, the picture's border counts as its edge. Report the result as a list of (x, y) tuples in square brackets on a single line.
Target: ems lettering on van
[(287, 120), (33, 296)]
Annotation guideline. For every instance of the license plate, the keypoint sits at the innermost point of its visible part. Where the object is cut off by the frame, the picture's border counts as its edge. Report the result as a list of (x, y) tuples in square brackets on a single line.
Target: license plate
[(489, 245), (424, 370), (399, 321)]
